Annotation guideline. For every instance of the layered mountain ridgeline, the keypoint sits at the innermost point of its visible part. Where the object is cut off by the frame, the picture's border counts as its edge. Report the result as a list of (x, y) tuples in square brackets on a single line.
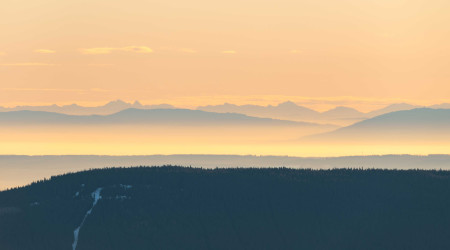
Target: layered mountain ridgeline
[(186, 208), (75, 109), (144, 116), (285, 111), (144, 129), (339, 115), (416, 125)]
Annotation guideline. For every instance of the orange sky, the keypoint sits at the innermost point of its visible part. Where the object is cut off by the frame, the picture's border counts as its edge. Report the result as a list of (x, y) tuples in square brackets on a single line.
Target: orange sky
[(200, 52)]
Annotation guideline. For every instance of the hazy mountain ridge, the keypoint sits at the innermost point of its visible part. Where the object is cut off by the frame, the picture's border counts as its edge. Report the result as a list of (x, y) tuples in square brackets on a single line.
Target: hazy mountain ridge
[(187, 208), (144, 116), (395, 107), (75, 109), (415, 124), (288, 110), (341, 112), (284, 111)]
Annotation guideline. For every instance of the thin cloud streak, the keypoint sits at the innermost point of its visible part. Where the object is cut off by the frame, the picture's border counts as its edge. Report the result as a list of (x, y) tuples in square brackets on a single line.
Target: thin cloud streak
[(26, 64), (45, 51), (109, 50)]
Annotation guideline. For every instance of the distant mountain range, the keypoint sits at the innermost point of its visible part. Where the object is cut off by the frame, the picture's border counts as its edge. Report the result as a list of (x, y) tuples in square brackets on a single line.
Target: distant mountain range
[(419, 124), (284, 110), (342, 116), (145, 116), (423, 124), (74, 109), (393, 108), (291, 111)]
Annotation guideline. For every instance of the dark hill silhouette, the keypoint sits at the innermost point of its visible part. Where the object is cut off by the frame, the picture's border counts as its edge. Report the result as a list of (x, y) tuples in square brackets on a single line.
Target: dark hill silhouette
[(186, 208)]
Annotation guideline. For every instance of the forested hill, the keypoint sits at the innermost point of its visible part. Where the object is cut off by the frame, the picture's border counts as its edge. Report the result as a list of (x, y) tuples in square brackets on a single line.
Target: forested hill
[(189, 208)]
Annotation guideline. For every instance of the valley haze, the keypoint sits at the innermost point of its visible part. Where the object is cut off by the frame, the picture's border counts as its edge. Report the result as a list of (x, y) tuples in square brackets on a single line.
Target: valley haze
[(396, 129)]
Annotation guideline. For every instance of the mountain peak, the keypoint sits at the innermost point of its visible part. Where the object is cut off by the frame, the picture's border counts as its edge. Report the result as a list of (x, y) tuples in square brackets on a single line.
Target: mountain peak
[(288, 104), (403, 126), (343, 112), (392, 108), (343, 108), (226, 104), (402, 104), (137, 104), (117, 103)]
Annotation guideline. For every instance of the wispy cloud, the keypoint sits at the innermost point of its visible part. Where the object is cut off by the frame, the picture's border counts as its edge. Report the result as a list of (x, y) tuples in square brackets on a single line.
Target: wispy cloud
[(229, 52), (109, 50), (44, 51), (27, 64), (2, 53)]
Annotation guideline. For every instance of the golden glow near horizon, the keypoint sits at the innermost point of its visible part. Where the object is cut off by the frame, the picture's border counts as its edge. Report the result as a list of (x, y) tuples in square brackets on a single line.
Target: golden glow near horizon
[(319, 54), (178, 139), (93, 51)]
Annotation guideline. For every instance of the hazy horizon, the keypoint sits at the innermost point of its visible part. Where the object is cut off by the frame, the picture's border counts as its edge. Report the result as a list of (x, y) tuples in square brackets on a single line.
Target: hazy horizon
[(320, 73)]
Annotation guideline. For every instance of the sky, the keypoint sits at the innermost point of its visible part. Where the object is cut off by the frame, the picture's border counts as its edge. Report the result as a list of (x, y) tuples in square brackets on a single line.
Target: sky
[(362, 53)]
